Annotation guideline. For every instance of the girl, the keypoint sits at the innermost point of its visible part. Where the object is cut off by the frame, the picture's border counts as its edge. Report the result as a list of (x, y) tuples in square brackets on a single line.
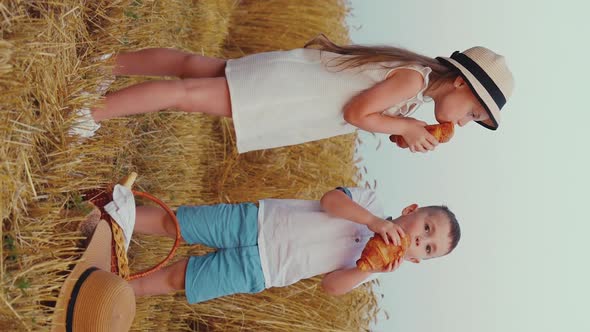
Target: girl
[(290, 97)]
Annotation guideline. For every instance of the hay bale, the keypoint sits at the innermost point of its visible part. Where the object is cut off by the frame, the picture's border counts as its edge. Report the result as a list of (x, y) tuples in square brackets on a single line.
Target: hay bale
[(260, 26), (49, 68)]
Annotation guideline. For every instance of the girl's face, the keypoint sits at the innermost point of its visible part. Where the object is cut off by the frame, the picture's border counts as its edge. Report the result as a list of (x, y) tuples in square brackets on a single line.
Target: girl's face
[(459, 105)]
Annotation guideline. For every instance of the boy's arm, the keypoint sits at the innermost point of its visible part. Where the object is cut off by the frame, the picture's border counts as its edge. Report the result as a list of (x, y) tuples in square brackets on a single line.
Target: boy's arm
[(340, 282), (338, 204)]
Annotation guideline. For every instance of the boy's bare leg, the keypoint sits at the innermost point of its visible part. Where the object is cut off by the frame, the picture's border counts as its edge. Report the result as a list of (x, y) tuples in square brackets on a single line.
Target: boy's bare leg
[(168, 62), (164, 281), (153, 220), (207, 95)]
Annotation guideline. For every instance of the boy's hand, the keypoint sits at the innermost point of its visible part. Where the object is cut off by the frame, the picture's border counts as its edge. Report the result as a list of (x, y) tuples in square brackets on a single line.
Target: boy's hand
[(418, 138), (388, 230), (393, 265)]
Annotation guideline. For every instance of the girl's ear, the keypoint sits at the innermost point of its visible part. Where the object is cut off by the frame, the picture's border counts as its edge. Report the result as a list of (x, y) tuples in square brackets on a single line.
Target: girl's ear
[(459, 82), (409, 209)]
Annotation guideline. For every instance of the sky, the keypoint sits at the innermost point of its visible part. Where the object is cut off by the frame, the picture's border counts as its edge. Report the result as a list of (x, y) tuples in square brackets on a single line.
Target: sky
[(520, 193)]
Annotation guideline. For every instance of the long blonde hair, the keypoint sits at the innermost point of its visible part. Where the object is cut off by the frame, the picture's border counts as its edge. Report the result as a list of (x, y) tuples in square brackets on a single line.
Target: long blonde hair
[(358, 55)]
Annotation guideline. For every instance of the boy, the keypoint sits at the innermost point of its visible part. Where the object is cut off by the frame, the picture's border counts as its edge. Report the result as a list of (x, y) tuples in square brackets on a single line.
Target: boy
[(282, 241)]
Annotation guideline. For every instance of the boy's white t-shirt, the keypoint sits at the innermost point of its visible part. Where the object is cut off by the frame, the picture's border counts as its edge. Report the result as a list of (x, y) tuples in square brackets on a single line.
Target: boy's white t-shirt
[(297, 240)]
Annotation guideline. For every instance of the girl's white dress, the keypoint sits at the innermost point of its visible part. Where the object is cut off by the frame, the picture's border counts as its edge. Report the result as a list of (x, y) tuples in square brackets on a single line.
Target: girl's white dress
[(290, 97)]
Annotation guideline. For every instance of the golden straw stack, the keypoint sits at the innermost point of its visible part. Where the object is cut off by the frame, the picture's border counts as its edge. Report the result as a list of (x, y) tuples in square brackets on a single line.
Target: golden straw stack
[(49, 67)]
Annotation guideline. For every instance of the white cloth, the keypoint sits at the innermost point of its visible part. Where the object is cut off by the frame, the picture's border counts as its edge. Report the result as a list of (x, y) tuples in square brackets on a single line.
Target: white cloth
[(297, 240), (84, 126), (122, 210), (290, 97)]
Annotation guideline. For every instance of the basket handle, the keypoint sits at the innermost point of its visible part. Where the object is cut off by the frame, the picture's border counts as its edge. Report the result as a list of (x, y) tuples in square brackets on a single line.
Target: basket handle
[(176, 241)]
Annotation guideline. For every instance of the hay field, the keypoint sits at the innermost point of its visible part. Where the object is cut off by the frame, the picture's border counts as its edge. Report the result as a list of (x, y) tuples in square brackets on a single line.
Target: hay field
[(49, 67)]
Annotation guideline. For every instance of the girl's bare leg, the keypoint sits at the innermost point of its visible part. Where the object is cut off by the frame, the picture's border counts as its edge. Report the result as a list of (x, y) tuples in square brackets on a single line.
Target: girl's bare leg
[(168, 62), (167, 280), (153, 220), (206, 95)]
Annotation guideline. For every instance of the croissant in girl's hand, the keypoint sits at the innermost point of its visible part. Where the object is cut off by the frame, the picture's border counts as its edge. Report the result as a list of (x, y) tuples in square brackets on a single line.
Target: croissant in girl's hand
[(377, 255), (442, 131)]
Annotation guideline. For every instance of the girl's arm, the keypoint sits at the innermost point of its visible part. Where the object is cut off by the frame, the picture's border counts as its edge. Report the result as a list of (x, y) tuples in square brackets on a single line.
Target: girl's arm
[(340, 282), (364, 110), (338, 204)]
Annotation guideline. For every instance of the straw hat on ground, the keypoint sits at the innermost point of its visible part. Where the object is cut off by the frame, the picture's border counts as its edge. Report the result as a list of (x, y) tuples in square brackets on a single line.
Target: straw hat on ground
[(92, 299)]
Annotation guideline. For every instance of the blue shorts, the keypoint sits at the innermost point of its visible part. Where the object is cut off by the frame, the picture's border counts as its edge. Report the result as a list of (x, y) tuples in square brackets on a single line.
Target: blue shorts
[(235, 266)]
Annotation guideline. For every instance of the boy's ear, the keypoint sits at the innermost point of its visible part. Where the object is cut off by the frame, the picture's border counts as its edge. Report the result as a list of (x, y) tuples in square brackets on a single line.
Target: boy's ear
[(409, 209)]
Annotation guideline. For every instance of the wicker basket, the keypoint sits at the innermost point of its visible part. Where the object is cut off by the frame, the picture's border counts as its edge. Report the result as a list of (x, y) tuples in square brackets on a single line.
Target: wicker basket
[(119, 261)]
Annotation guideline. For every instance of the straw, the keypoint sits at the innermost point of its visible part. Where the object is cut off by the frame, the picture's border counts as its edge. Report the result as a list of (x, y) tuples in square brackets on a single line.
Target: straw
[(50, 66)]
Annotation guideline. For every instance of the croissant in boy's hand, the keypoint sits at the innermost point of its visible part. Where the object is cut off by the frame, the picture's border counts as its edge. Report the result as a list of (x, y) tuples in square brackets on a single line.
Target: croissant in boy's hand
[(442, 131), (377, 255)]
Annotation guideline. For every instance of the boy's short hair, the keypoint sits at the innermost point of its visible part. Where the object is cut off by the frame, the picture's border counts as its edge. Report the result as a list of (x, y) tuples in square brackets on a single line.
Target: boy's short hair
[(455, 232)]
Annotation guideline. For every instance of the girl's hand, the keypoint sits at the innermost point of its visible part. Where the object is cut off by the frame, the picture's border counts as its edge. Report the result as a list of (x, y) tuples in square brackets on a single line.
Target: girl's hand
[(389, 231), (393, 265), (418, 138)]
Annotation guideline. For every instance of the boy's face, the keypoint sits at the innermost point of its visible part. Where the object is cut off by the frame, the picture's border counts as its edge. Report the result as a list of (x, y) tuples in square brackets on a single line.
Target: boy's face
[(428, 230)]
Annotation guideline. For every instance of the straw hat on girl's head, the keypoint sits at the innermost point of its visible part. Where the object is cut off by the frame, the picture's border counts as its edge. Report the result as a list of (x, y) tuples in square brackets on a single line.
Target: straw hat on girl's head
[(92, 299), (488, 76)]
